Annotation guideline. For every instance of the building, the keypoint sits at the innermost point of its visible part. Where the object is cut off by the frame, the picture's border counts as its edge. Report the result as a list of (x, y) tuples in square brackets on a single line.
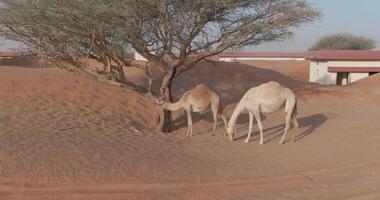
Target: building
[(139, 57), (340, 67), (271, 56), (327, 67)]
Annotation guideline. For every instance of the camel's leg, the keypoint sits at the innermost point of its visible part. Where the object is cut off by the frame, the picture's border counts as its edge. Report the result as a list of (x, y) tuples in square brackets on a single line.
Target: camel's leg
[(189, 123), (225, 122), (214, 110), (295, 124), (287, 126), (258, 120), (250, 127)]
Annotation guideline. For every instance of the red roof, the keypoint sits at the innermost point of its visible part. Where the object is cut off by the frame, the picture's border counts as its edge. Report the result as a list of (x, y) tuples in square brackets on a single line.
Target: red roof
[(254, 54), (354, 69), (343, 55), (311, 55)]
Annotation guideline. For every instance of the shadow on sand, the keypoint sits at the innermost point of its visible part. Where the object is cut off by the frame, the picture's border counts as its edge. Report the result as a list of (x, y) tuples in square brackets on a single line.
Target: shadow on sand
[(311, 122), (23, 61), (181, 122)]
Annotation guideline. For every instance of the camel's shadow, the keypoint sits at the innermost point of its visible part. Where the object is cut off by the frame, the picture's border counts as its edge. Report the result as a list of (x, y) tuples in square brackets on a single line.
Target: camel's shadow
[(311, 122)]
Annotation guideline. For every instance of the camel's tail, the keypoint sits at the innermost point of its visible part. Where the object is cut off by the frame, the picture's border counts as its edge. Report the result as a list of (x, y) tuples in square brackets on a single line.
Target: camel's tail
[(294, 113)]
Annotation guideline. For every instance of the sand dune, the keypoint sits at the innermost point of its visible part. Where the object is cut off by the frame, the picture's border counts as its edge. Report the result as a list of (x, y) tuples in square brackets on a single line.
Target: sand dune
[(369, 81), (68, 136), (298, 70)]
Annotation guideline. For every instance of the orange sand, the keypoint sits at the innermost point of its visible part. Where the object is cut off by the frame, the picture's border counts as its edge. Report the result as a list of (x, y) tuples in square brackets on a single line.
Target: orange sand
[(68, 136)]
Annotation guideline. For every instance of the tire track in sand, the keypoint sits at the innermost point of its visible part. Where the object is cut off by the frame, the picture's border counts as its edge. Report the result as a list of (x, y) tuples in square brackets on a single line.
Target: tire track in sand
[(253, 185)]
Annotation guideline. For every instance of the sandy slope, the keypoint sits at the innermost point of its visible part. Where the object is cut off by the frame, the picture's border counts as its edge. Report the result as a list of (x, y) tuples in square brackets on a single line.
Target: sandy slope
[(298, 70), (66, 136)]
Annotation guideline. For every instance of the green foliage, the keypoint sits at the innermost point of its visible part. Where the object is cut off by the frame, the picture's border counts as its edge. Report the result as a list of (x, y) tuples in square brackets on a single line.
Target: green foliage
[(344, 41)]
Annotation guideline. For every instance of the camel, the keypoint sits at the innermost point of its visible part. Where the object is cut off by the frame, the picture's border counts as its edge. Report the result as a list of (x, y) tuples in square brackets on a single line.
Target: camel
[(266, 98), (199, 99)]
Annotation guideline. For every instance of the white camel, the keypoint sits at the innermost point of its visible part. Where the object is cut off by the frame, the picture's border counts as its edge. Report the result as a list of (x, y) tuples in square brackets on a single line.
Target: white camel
[(199, 99), (266, 98)]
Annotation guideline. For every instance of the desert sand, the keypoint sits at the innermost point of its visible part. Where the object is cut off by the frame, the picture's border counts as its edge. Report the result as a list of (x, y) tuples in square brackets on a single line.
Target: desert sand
[(69, 136)]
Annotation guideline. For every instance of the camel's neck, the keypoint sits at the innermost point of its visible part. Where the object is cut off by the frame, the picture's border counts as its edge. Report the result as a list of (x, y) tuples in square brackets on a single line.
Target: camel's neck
[(235, 115), (172, 106)]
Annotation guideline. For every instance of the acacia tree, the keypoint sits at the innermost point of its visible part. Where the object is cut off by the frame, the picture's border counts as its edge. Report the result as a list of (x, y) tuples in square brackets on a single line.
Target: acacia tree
[(344, 41), (173, 35), (65, 32)]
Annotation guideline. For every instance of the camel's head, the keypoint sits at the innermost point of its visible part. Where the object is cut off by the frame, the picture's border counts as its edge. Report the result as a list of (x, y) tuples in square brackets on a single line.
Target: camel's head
[(160, 101), (230, 132)]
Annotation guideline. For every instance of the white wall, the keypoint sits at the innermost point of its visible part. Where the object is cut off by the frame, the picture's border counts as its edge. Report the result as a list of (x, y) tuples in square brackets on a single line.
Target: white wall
[(319, 70), (231, 59), (357, 76), (139, 57), (319, 73)]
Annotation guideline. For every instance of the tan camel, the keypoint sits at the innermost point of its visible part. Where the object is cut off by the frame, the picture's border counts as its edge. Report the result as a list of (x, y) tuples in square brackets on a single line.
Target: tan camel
[(199, 99), (266, 98)]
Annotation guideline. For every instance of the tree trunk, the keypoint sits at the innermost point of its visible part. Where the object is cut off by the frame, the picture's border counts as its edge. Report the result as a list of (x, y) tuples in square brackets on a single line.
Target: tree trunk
[(150, 79), (150, 86), (165, 91), (120, 74), (117, 74), (108, 66)]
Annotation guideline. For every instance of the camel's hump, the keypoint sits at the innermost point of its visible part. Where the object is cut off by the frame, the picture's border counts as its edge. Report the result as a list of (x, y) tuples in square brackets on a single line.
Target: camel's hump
[(201, 87), (273, 83)]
